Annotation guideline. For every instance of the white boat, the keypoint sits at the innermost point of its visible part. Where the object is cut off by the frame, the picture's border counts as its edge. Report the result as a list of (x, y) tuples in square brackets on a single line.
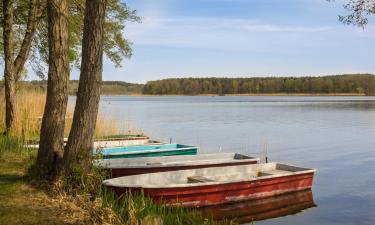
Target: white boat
[(131, 166)]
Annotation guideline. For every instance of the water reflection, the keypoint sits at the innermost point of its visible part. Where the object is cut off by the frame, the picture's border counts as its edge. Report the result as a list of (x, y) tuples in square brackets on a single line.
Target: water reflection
[(262, 209)]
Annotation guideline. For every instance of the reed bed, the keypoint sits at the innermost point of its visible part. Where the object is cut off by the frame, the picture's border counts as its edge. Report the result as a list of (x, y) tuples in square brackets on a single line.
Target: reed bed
[(29, 113)]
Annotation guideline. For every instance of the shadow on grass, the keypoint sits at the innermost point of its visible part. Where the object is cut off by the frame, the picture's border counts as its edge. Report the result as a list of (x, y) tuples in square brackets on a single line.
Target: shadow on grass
[(12, 178)]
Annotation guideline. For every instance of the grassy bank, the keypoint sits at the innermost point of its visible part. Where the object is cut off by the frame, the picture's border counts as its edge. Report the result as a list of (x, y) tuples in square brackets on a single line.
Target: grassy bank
[(26, 201)]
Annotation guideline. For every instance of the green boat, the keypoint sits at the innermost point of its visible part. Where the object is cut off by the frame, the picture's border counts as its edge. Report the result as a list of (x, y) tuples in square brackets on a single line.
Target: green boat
[(147, 151)]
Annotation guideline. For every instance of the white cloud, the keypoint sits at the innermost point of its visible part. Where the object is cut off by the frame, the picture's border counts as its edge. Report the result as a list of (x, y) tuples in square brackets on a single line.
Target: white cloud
[(235, 34)]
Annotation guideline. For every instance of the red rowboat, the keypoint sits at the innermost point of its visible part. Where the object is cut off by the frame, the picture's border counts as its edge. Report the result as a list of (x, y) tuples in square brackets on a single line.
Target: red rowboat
[(132, 166), (216, 185)]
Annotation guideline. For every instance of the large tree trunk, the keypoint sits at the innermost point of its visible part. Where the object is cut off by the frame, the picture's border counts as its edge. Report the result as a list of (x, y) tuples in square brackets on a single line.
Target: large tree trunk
[(52, 131), (78, 151), (9, 78)]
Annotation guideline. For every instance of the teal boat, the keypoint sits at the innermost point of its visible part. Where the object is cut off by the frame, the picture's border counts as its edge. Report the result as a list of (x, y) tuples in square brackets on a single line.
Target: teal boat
[(147, 151)]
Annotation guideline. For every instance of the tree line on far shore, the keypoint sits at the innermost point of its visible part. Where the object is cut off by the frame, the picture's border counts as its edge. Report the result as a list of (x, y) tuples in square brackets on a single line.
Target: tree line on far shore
[(350, 83), (107, 87)]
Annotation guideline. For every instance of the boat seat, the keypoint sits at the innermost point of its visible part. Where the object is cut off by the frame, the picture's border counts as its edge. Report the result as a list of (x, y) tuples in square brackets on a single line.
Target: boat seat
[(198, 179), (154, 164)]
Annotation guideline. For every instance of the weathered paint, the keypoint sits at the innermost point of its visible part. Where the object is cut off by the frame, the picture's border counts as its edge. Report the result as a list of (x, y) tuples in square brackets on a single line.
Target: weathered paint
[(121, 142), (204, 194), (125, 166), (119, 172)]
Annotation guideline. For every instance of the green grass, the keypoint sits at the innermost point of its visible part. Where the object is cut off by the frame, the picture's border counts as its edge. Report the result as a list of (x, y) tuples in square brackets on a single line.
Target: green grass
[(140, 208), (20, 203), (23, 201)]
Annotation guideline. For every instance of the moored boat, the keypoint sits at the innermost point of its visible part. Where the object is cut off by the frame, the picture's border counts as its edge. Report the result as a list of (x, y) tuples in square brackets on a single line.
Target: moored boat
[(146, 151), (132, 166), (216, 185), (120, 141)]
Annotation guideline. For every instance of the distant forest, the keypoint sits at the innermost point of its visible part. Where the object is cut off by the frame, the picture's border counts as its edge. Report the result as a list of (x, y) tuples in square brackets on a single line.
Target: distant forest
[(362, 84), (337, 84), (108, 87)]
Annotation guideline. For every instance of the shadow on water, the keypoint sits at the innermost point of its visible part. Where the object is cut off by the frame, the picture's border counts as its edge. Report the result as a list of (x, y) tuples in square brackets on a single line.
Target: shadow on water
[(263, 209)]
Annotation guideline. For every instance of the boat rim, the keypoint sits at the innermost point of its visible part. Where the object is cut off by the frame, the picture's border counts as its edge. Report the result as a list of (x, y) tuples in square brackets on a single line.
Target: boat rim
[(149, 151)]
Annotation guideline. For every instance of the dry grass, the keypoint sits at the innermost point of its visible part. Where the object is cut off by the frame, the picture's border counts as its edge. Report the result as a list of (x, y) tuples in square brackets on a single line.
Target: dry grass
[(29, 112)]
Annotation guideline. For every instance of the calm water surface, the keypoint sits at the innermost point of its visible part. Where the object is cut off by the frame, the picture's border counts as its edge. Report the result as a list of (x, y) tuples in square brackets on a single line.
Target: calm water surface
[(336, 135)]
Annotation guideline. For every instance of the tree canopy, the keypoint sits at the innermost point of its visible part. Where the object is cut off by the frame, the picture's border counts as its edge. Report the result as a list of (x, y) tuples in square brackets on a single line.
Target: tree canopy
[(359, 84), (116, 46)]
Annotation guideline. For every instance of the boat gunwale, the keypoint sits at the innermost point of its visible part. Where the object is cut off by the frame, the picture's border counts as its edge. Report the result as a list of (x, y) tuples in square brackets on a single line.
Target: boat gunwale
[(122, 139), (148, 151), (173, 186)]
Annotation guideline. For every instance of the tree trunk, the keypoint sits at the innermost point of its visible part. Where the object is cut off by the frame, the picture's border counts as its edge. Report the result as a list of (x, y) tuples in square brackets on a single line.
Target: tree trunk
[(9, 78), (51, 146), (78, 151)]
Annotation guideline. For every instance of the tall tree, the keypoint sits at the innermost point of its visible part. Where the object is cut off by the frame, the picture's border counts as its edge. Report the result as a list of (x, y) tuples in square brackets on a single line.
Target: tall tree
[(78, 151), (9, 81), (14, 65), (52, 131)]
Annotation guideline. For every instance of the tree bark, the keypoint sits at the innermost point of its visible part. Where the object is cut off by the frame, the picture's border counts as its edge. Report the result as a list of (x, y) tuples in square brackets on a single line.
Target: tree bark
[(78, 151), (51, 146), (9, 78)]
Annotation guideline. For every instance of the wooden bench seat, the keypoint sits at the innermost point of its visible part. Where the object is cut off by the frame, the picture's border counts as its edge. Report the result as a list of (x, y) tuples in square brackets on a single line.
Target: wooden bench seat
[(198, 179)]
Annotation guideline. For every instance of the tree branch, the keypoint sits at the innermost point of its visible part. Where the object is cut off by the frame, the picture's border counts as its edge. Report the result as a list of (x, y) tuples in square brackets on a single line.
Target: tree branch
[(27, 40)]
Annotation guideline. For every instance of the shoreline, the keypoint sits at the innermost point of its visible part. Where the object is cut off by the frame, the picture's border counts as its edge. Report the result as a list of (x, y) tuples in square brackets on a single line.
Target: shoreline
[(249, 94)]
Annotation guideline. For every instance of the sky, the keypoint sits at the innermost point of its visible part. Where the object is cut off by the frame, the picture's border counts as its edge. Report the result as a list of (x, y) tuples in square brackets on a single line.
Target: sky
[(242, 38)]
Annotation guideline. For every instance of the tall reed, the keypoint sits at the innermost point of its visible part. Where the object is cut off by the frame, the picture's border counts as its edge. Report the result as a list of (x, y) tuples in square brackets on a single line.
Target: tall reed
[(29, 113)]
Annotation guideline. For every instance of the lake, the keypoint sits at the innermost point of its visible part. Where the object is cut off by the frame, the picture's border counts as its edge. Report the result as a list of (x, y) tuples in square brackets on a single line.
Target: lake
[(335, 135)]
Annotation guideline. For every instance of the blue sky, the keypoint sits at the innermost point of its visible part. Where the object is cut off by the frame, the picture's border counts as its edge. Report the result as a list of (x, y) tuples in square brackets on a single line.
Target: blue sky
[(242, 38)]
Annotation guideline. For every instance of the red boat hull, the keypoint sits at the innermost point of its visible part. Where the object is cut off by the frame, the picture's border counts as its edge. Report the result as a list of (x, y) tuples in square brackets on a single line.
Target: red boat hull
[(215, 194), (120, 172)]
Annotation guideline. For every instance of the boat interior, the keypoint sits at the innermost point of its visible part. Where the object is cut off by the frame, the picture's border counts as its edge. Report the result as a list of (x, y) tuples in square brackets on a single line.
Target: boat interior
[(214, 175), (173, 160)]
